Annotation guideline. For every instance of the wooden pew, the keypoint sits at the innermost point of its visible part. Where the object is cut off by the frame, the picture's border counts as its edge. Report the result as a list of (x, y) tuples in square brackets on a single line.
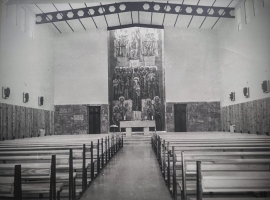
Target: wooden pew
[(104, 151), (14, 187), (231, 181), (188, 167), (188, 142), (63, 164), (199, 137)]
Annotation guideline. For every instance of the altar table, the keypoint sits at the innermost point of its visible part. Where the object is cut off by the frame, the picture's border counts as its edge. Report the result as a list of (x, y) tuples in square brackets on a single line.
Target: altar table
[(132, 124)]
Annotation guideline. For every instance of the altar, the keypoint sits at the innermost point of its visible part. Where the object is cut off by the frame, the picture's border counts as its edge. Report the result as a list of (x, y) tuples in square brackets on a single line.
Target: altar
[(134, 124)]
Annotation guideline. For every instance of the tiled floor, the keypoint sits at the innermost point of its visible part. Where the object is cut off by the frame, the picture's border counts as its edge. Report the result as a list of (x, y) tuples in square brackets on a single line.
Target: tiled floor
[(132, 174)]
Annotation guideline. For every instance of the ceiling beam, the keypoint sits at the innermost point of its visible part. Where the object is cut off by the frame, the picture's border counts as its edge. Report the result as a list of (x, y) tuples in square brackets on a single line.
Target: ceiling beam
[(135, 25), (133, 6), (65, 1)]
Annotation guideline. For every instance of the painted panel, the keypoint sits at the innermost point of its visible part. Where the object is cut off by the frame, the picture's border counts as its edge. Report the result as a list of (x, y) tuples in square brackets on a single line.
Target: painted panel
[(136, 75)]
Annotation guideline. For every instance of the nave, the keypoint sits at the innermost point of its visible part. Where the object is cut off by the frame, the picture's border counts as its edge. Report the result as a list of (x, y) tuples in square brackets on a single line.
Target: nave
[(186, 166), (132, 174)]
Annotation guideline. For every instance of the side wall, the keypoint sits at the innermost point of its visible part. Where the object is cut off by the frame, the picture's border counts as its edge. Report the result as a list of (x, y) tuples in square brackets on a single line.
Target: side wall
[(26, 66), (245, 62), (244, 56), (26, 62)]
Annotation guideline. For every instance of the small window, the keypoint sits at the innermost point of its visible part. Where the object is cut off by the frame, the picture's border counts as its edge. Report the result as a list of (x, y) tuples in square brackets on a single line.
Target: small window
[(31, 26), (239, 19), (23, 19), (247, 11)]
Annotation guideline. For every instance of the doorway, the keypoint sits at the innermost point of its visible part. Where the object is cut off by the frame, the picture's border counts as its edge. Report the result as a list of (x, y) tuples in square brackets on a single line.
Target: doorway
[(94, 119), (180, 113)]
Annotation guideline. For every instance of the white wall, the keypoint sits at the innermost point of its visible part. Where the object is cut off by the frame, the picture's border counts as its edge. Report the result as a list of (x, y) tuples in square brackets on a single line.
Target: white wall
[(191, 65), (26, 63), (245, 55), (81, 68)]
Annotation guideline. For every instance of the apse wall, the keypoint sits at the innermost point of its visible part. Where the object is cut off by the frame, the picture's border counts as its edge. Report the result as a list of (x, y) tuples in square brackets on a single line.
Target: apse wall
[(81, 75), (244, 61)]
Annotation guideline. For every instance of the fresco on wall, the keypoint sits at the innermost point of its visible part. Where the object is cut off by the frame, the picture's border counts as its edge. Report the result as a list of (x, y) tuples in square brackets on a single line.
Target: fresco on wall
[(136, 79)]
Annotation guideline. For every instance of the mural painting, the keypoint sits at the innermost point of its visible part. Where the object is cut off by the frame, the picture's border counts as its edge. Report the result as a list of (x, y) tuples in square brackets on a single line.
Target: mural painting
[(136, 79)]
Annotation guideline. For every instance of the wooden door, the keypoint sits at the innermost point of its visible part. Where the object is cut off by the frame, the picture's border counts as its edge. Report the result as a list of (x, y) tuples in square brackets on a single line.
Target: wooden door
[(94, 119), (180, 117)]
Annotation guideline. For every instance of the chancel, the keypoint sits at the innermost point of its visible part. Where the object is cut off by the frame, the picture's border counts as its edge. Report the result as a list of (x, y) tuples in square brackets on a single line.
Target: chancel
[(131, 100)]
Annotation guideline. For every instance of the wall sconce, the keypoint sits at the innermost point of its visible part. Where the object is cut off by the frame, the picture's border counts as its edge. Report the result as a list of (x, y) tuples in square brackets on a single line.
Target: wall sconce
[(5, 92), (266, 86), (246, 92), (40, 101), (232, 96), (25, 97)]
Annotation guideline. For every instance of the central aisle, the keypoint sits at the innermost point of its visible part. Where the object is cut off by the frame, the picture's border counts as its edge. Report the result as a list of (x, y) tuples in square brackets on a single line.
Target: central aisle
[(133, 173)]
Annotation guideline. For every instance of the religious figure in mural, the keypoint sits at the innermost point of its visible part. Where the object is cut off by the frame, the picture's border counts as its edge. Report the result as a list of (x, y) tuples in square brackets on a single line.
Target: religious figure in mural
[(141, 72), (145, 89), (156, 81), (146, 45), (122, 108), (158, 113), (149, 45), (150, 110), (130, 82), (117, 44), (134, 45), (125, 82), (117, 117), (135, 73), (121, 82), (123, 46), (151, 80), (117, 83), (152, 45), (136, 103)]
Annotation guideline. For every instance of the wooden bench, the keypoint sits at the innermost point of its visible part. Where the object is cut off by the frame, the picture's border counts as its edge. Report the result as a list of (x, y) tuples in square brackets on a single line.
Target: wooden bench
[(63, 165), (12, 187), (23, 151), (188, 167), (231, 181), (212, 142)]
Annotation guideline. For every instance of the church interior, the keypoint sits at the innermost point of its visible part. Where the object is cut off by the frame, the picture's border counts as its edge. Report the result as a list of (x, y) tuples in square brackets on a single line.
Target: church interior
[(131, 100)]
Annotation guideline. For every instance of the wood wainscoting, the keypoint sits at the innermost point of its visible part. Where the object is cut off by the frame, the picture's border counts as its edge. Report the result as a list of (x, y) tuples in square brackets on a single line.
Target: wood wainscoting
[(249, 117), (24, 122)]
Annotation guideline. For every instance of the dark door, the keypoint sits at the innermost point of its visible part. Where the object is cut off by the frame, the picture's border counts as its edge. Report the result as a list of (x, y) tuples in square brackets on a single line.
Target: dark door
[(94, 119), (180, 111)]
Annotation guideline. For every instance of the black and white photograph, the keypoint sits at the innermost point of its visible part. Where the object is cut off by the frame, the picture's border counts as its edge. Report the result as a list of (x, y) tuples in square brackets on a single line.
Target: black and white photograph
[(135, 100)]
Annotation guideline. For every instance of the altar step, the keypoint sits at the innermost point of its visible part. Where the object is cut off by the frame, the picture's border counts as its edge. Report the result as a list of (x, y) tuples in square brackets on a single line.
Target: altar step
[(137, 139)]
